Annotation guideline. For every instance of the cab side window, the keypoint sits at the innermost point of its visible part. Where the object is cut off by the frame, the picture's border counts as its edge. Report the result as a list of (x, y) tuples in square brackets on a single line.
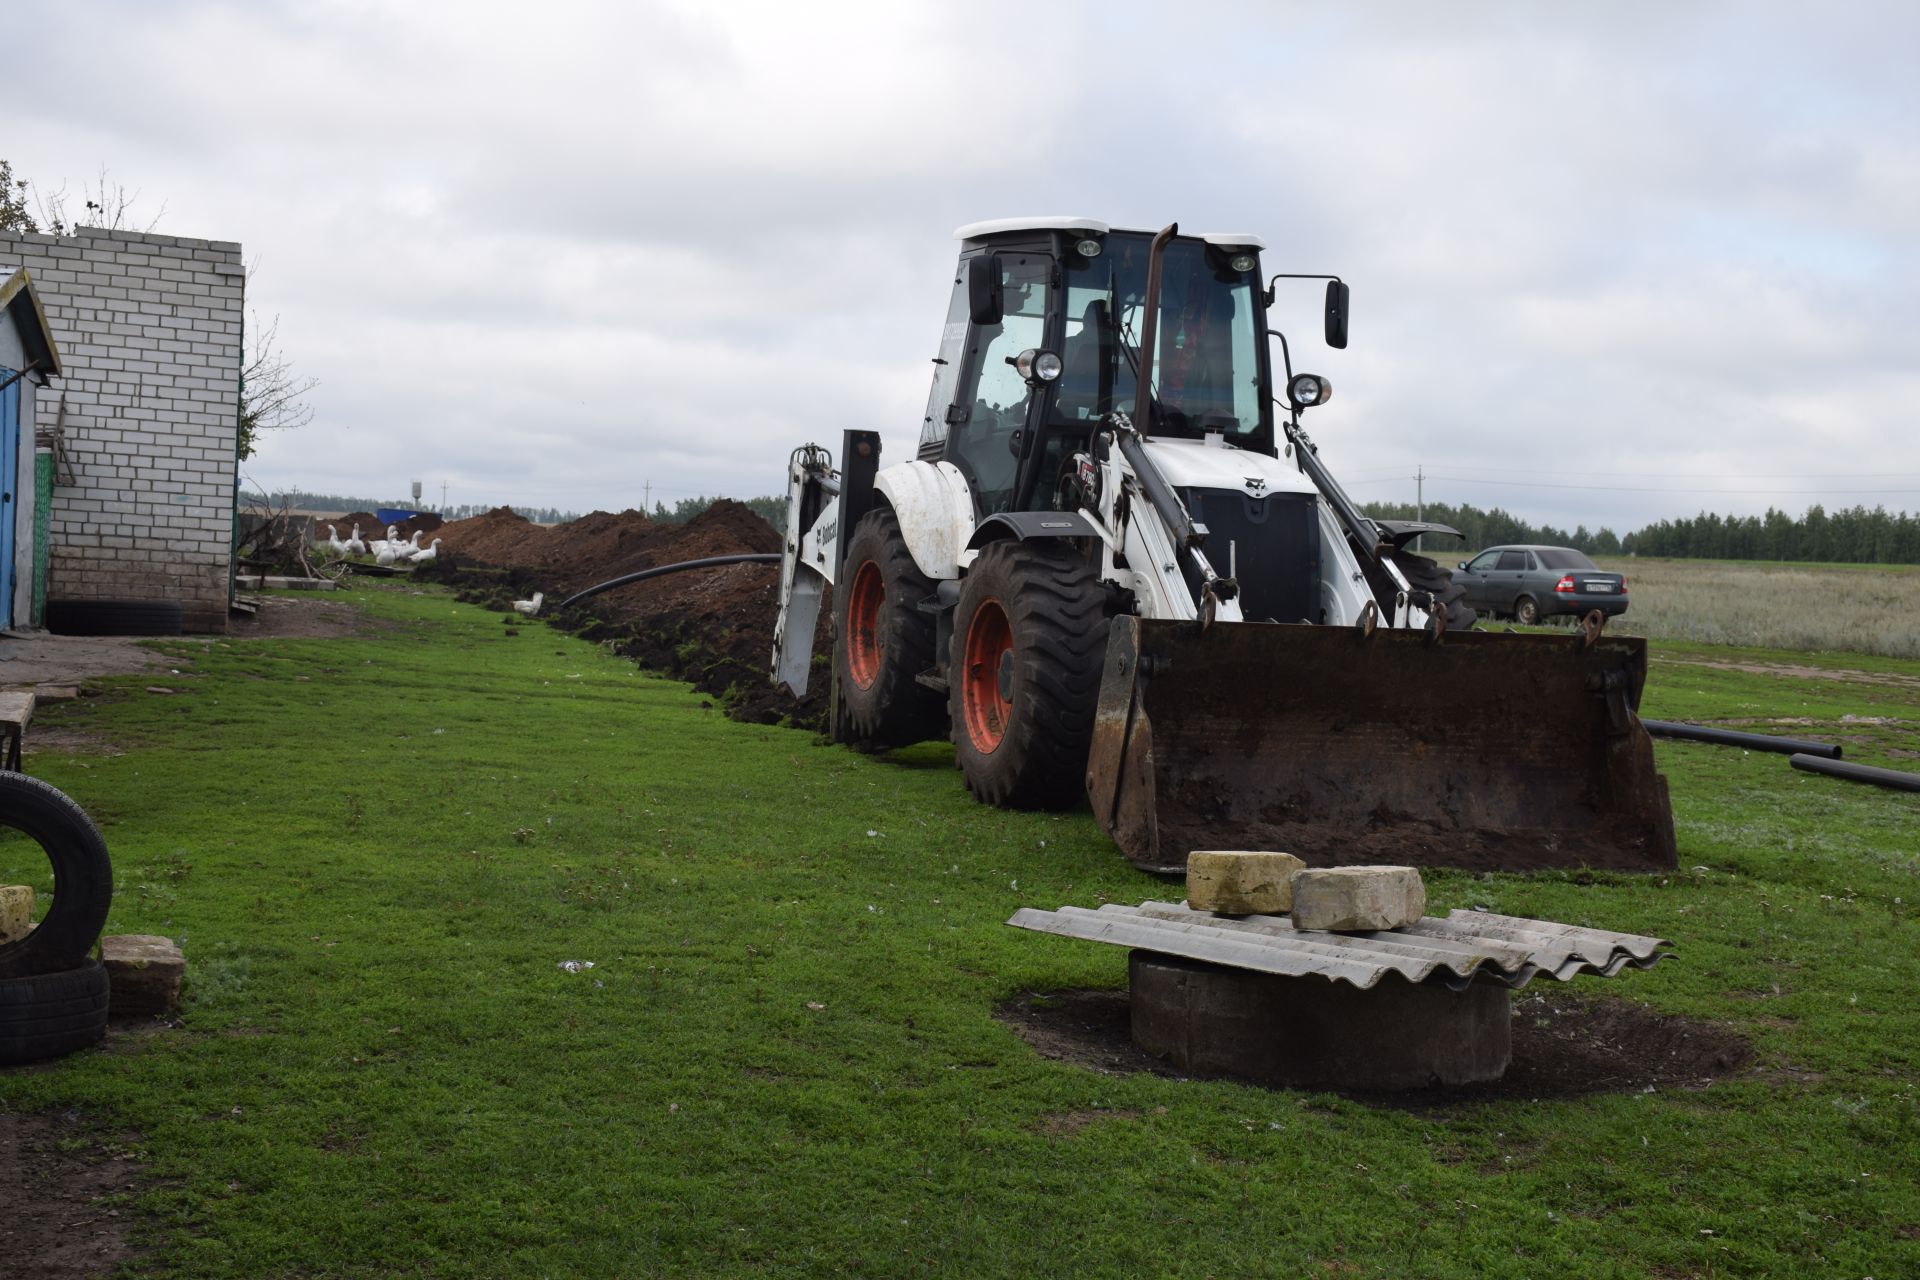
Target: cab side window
[(1512, 560), (1483, 562), (993, 398), (946, 372)]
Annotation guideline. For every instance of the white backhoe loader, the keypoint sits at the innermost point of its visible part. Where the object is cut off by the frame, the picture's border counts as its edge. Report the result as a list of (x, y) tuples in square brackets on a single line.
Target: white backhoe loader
[(1112, 571)]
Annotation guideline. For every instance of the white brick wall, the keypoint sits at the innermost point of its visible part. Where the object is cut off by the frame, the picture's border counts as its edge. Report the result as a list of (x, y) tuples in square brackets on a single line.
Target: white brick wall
[(149, 329)]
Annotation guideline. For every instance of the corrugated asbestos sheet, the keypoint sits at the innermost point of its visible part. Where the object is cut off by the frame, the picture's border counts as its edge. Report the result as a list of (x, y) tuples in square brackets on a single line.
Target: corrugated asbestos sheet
[(1455, 951)]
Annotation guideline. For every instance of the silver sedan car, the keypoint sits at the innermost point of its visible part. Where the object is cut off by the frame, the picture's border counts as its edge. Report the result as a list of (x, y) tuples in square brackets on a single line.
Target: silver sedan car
[(1528, 583)]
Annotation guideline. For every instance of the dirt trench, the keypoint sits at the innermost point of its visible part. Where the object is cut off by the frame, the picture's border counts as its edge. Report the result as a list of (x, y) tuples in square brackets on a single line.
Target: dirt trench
[(710, 627)]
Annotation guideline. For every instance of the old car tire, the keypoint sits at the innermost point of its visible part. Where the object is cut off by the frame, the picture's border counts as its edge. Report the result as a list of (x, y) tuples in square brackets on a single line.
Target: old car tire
[(52, 1014), (82, 877), (114, 617), (1424, 574), (883, 639), (1526, 611), (1029, 636)]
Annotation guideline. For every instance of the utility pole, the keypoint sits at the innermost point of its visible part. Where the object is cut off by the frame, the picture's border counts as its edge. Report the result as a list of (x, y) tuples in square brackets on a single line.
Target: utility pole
[(1419, 499), (443, 495), (646, 498)]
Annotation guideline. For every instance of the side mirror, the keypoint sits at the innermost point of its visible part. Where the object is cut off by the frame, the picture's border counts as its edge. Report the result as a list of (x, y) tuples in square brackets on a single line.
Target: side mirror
[(1337, 314), (1463, 564), (983, 289)]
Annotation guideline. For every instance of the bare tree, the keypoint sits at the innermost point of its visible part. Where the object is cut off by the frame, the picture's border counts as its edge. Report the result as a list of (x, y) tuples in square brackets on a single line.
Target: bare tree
[(108, 205), (272, 395)]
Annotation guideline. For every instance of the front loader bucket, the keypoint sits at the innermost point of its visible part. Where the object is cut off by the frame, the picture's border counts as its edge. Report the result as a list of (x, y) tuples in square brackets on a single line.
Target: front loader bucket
[(1483, 750)]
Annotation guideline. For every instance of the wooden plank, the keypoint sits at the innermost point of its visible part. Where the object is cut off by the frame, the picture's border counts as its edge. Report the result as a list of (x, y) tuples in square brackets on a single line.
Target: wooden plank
[(16, 709)]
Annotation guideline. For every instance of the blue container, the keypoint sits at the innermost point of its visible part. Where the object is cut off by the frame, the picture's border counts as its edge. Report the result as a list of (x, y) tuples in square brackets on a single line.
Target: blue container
[(393, 515)]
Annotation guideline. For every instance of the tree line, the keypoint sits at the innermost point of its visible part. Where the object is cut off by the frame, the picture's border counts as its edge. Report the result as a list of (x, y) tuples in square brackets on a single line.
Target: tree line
[(771, 509), (1851, 535), (1492, 528)]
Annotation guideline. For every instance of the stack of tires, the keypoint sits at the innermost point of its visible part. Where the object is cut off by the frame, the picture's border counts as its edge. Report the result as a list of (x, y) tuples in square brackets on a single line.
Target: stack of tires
[(53, 992)]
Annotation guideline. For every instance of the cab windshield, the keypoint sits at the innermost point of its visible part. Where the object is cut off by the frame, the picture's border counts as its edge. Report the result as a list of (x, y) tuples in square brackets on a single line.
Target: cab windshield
[(1206, 373)]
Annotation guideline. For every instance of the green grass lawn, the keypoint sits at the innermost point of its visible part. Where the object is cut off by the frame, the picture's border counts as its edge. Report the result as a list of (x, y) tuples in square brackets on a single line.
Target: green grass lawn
[(376, 853)]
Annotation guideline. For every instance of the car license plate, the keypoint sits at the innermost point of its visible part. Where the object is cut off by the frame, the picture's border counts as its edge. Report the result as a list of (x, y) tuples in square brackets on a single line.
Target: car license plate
[(1598, 586)]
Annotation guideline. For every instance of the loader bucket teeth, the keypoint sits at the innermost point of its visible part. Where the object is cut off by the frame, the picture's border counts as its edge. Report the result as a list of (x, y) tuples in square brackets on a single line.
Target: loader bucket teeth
[(1480, 750)]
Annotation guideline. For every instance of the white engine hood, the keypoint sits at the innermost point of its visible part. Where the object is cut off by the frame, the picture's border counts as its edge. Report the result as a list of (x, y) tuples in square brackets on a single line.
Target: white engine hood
[(1190, 464)]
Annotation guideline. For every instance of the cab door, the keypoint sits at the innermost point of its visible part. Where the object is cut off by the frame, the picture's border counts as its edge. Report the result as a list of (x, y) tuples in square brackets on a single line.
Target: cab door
[(994, 410)]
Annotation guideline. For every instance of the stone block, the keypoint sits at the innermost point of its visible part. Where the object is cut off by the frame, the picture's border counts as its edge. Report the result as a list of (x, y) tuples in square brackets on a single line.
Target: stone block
[(16, 911), (1354, 899), (144, 971), (1241, 883)]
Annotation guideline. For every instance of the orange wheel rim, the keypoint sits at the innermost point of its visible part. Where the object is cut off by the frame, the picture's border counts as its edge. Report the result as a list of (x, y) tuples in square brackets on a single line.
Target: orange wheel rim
[(865, 652), (989, 640)]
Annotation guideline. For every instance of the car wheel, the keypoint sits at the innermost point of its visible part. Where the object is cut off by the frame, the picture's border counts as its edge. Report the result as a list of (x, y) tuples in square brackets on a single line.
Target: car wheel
[(52, 1014), (1526, 611), (82, 877)]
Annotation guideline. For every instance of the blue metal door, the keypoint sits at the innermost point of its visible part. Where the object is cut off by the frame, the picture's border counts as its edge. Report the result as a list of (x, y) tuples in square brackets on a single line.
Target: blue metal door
[(9, 491)]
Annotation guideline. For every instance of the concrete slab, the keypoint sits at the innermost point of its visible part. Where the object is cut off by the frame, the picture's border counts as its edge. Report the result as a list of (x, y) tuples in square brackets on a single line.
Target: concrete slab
[(16, 911), (145, 971)]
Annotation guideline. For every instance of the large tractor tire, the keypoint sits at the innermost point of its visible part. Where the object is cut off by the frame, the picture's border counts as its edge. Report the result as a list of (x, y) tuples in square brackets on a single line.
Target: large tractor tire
[(1425, 575), (882, 640), (1029, 636), (82, 877)]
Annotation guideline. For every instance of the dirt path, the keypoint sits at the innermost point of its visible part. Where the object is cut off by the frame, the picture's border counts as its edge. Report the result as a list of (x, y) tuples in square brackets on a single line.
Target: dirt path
[(1794, 671), (65, 1197)]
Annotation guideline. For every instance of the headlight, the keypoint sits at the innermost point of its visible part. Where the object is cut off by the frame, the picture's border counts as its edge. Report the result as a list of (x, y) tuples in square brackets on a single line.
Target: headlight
[(1036, 365), (1088, 248), (1308, 389), (1241, 262)]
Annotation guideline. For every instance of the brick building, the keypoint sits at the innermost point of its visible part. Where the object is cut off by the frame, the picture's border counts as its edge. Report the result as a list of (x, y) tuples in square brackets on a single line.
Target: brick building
[(150, 334)]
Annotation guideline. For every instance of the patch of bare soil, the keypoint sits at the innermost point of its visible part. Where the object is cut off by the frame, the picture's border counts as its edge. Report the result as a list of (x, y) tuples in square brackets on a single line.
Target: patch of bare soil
[(1564, 1046), (68, 742), (301, 618), (35, 658), (1795, 671), (65, 1196)]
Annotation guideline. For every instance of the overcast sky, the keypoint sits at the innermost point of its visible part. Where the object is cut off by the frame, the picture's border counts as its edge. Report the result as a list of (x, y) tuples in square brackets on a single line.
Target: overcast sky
[(1609, 262)]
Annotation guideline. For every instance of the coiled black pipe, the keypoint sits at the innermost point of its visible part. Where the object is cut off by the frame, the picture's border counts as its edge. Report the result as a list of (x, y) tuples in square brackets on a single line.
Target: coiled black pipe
[(1858, 772), (710, 562), (1751, 741)]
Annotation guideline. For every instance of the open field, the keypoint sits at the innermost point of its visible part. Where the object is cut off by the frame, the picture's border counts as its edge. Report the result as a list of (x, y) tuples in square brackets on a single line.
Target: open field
[(1856, 608), (377, 849), (1859, 608)]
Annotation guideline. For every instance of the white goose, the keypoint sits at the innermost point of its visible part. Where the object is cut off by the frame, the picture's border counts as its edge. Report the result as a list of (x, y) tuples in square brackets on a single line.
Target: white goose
[(529, 607), (428, 553), (356, 546), (334, 544)]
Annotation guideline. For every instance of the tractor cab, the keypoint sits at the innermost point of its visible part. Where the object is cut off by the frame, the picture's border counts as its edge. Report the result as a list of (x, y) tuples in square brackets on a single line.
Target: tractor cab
[(1042, 342)]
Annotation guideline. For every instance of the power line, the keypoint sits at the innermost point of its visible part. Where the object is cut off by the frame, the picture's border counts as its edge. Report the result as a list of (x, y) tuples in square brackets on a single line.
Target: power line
[(1626, 488)]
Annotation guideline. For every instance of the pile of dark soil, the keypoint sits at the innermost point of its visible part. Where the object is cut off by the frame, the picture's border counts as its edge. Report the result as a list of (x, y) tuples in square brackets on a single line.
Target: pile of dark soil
[(710, 627), (1564, 1046)]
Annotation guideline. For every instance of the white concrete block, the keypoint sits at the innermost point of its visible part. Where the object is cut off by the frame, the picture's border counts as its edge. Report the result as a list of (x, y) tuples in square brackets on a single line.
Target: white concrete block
[(1350, 899)]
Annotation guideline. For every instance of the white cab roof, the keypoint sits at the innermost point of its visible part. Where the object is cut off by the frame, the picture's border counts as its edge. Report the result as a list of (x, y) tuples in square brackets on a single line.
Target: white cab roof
[(1092, 226)]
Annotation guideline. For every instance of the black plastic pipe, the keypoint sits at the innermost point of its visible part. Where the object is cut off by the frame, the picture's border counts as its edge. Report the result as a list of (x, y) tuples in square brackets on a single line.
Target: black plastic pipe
[(1858, 772), (1751, 741), (711, 562)]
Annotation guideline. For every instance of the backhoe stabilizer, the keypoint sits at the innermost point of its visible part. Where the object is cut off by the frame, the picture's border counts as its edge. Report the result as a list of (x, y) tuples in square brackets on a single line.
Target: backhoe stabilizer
[(1486, 751)]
